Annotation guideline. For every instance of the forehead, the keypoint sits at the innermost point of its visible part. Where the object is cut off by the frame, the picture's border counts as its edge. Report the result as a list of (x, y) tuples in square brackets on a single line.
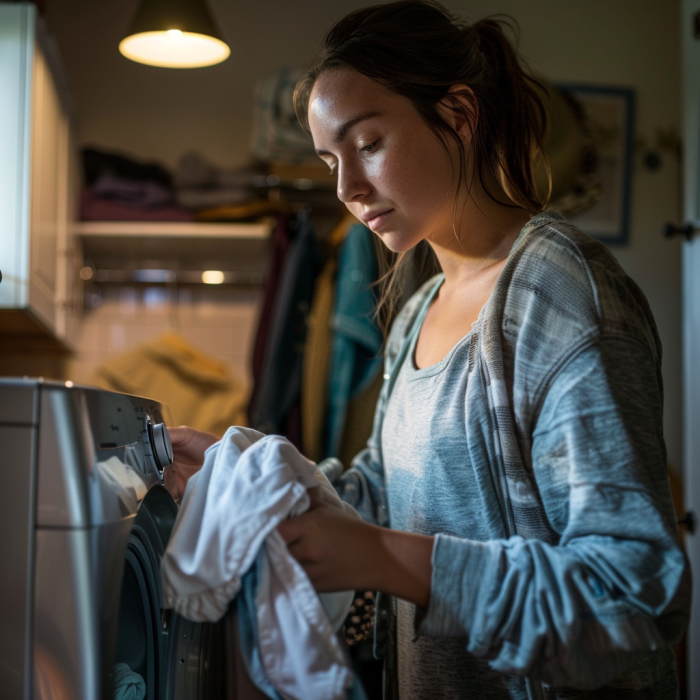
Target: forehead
[(341, 94)]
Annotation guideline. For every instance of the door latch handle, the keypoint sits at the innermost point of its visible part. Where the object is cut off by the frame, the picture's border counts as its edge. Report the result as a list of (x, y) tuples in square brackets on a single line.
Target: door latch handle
[(671, 230), (689, 521)]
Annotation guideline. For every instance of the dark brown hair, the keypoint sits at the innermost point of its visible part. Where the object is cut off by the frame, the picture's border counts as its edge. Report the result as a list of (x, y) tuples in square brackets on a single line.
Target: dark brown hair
[(418, 49)]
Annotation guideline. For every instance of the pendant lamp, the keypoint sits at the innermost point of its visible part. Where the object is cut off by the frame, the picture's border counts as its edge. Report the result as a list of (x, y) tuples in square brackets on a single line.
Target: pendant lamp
[(174, 34)]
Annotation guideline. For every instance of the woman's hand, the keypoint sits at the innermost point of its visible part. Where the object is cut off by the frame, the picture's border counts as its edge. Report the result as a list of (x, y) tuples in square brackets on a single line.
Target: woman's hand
[(189, 446), (339, 552)]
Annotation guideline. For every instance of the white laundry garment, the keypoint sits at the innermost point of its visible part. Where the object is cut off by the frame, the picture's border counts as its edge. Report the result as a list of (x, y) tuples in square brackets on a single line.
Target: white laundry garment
[(248, 484)]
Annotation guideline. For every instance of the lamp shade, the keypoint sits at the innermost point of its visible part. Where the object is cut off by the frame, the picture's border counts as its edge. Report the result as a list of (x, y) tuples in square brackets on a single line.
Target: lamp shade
[(174, 34)]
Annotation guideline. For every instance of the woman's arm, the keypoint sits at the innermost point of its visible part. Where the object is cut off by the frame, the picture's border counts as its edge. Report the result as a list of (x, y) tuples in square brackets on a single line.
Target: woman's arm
[(616, 587)]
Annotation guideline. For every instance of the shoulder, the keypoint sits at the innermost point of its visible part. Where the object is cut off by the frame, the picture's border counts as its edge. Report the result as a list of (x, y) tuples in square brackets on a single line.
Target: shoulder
[(564, 286)]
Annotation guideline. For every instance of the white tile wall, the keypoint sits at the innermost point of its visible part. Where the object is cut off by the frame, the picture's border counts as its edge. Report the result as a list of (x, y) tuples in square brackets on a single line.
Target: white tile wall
[(220, 322)]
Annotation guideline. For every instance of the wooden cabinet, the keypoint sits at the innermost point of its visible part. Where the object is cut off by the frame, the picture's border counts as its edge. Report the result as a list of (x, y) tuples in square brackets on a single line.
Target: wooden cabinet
[(37, 176)]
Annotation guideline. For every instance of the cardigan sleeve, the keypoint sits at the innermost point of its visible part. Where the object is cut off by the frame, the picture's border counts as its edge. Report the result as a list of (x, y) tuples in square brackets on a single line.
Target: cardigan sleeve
[(363, 488), (617, 584)]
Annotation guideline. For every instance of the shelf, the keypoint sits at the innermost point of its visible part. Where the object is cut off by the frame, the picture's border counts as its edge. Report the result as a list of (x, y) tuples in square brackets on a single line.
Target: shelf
[(126, 252), (172, 229), (152, 277)]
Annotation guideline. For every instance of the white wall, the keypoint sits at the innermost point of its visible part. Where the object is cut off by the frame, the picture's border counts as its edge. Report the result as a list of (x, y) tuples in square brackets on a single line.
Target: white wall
[(161, 113)]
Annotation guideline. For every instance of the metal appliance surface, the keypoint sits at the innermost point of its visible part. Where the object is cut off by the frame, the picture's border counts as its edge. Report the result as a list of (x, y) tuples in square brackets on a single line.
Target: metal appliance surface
[(85, 523)]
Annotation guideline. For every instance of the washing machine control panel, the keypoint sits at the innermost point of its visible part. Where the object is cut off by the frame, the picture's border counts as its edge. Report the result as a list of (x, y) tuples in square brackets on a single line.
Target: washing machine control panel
[(130, 440)]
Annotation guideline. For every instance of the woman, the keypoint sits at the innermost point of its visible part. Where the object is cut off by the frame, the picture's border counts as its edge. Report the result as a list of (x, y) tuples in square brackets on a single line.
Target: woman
[(514, 492)]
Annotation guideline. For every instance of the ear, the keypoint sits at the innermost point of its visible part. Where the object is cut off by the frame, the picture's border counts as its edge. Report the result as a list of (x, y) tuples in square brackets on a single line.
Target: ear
[(460, 110)]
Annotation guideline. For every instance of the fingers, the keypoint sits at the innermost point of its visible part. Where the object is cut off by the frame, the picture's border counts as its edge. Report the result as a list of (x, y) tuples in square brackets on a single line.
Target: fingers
[(183, 435), (189, 446), (292, 530), (171, 482), (315, 498), (305, 550), (180, 436)]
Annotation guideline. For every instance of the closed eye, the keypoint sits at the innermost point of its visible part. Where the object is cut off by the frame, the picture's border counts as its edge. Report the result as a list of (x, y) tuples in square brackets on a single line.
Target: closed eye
[(370, 147)]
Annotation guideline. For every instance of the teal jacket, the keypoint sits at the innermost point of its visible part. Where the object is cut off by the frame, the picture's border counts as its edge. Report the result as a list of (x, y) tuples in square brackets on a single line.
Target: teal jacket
[(356, 355)]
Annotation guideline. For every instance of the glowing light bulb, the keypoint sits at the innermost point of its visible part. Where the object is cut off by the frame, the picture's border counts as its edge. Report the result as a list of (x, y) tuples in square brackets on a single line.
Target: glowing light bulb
[(174, 49), (212, 277)]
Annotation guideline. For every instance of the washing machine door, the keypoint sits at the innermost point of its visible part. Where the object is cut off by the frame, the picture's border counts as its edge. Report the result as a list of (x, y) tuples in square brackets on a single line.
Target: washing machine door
[(177, 659)]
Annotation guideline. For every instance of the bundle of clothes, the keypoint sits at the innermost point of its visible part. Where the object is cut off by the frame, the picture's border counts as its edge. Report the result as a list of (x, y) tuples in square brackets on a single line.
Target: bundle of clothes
[(225, 555), (119, 187), (122, 188)]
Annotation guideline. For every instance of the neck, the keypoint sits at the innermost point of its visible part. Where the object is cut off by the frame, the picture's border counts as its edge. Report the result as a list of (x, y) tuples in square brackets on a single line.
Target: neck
[(477, 236)]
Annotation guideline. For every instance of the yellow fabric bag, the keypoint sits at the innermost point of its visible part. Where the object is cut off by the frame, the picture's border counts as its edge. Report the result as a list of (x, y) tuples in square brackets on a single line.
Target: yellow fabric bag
[(198, 390)]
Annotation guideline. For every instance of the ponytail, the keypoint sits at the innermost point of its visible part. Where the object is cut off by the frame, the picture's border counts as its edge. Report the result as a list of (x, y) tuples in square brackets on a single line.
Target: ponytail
[(514, 116), (419, 50)]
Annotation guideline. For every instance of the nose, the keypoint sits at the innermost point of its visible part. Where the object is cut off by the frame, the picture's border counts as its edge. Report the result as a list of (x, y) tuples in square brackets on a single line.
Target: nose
[(352, 183)]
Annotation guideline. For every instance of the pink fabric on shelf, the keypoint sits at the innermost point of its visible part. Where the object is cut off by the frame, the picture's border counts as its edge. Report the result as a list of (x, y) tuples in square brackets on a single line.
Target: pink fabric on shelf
[(96, 208), (144, 194)]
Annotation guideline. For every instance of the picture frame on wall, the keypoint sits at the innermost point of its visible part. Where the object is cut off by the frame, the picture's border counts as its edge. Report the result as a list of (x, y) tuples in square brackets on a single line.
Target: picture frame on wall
[(610, 114)]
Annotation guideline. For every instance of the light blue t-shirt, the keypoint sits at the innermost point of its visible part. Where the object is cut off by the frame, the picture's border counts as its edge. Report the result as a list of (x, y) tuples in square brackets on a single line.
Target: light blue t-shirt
[(426, 459), (431, 489)]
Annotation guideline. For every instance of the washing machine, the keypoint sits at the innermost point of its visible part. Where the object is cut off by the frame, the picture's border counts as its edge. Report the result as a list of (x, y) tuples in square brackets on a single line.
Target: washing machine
[(84, 523)]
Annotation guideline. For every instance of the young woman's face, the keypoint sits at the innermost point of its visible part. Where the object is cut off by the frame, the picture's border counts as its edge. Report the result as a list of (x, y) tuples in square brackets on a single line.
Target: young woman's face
[(393, 172)]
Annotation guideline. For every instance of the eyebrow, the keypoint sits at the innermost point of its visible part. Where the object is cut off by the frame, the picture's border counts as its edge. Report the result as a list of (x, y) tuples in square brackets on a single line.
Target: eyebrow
[(343, 130)]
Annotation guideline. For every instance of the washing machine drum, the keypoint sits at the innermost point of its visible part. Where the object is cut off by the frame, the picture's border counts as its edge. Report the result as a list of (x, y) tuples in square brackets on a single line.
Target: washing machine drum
[(177, 659)]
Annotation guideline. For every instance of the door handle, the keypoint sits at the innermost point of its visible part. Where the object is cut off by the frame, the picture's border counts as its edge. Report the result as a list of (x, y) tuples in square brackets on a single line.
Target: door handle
[(671, 230), (689, 521)]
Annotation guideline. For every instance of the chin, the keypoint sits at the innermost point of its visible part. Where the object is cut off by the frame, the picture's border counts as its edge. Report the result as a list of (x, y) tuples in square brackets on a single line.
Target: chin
[(397, 243)]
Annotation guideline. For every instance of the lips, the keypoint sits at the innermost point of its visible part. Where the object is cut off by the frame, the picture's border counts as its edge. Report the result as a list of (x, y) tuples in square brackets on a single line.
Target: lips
[(375, 219)]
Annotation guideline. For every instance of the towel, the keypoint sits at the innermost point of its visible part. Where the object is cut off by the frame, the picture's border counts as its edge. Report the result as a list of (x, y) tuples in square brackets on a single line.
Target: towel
[(128, 685), (227, 524)]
